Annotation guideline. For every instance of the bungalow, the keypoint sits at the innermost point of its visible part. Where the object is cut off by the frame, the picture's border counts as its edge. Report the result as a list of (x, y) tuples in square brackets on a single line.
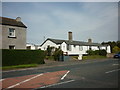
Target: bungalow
[(13, 33), (71, 47), (31, 46)]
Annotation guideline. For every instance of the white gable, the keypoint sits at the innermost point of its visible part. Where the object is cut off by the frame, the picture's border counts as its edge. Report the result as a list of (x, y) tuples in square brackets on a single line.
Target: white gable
[(49, 43)]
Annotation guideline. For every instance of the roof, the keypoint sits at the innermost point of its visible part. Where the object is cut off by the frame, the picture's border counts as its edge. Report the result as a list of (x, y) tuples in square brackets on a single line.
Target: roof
[(58, 41), (11, 22)]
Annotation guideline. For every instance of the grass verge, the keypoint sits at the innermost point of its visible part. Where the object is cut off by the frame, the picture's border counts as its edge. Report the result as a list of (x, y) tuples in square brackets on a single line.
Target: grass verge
[(18, 66), (94, 57)]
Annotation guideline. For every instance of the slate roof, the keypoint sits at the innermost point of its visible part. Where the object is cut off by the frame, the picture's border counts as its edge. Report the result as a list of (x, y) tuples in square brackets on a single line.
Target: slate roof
[(58, 41), (11, 22)]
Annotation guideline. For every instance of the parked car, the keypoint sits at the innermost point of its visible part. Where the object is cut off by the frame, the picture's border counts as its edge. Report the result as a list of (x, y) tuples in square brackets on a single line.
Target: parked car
[(117, 55)]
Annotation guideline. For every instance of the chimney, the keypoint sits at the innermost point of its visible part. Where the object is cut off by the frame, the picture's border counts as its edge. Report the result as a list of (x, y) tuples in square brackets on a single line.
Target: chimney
[(70, 36), (89, 40), (18, 19)]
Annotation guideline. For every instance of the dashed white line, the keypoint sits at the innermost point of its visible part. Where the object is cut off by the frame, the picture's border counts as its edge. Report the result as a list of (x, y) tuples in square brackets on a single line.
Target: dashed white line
[(112, 71), (115, 64), (57, 84), (65, 75), (24, 81)]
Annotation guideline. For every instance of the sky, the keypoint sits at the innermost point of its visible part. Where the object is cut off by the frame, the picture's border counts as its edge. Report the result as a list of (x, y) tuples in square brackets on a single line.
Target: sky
[(95, 20)]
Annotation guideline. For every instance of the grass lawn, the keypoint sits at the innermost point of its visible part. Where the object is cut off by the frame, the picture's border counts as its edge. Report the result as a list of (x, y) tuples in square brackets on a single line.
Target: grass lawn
[(94, 57), (18, 66)]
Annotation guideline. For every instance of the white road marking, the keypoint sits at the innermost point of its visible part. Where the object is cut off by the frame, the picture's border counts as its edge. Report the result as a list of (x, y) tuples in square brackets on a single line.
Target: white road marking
[(115, 64), (19, 70), (57, 84), (65, 75), (24, 81), (112, 71), (1, 80)]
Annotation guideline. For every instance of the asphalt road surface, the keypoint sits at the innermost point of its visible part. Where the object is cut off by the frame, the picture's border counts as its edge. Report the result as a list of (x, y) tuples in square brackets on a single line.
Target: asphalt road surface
[(73, 74)]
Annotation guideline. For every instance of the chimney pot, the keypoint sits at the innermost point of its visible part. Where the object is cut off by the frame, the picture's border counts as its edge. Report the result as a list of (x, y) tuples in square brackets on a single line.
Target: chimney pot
[(18, 19), (89, 40)]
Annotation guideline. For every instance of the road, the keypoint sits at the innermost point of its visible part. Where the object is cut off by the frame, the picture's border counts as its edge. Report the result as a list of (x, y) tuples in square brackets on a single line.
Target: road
[(73, 74)]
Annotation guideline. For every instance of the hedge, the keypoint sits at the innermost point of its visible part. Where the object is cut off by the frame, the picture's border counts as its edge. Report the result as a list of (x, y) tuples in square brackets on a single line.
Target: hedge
[(20, 57)]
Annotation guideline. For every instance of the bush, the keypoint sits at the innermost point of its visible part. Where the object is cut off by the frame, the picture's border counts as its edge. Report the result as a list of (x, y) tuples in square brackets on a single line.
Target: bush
[(102, 52), (57, 53), (97, 52), (20, 57), (91, 52), (116, 49)]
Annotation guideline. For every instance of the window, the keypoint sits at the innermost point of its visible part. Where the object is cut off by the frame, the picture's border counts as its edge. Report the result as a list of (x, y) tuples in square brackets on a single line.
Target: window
[(90, 48), (80, 48), (28, 47), (68, 47), (11, 32), (12, 47), (59, 47), (74, 46)]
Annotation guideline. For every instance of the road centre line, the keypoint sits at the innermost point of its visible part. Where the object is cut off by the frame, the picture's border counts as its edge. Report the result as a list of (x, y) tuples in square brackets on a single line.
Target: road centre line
[(24, 81), (65, 75), (112, 71), (57, 84), (115, 64)]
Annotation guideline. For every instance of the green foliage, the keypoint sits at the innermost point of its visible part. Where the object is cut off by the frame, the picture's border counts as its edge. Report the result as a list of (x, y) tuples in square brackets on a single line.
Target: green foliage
[(57, 53), (112, 44), (20, 57), (102, 52), (93, 57), (90, 52), (116, 49), (97, 52), (19, 66), (50, 50)]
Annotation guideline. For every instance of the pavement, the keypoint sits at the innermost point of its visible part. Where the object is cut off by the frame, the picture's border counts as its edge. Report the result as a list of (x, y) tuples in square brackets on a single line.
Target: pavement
[(68, 74)]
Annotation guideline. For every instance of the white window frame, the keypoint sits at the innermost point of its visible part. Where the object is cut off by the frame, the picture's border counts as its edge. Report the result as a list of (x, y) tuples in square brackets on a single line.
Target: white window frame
[(80, 48), (12, 33), (69, 47)]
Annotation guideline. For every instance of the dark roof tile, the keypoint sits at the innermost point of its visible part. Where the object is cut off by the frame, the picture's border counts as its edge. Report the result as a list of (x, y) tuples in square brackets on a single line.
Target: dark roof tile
[(58, 41), (11, 22)]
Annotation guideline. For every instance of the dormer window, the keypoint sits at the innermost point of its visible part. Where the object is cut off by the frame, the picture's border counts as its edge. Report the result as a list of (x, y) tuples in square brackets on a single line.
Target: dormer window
[(11, 32)]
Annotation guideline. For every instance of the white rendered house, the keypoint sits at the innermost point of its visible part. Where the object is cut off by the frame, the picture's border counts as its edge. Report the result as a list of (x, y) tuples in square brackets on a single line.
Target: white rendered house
[(71, 47), (31, 46)]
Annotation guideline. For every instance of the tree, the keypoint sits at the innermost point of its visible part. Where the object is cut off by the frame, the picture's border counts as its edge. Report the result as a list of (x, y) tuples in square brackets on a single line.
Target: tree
[(50, 50), (116, 49), (112, 44), (118, 44)]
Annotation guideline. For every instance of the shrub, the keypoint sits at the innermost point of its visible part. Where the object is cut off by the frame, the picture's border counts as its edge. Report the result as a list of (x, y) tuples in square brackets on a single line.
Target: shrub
[(91, 52), (97, 52), (116, 49), (102, 52), (57, 53), (19, 57)]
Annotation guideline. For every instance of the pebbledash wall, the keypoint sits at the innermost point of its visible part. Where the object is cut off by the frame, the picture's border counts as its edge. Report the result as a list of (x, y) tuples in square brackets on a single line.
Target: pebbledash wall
[(19, 41)]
